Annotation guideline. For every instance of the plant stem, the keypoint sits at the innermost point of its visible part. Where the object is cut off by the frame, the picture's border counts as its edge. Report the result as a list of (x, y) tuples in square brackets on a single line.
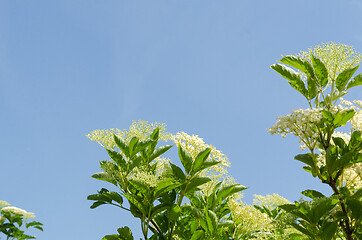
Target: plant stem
[(344, 223)]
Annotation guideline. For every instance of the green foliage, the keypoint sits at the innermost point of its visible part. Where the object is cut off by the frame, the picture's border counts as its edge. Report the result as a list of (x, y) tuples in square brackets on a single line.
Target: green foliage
[(337, 216), (14, 222), (195, 199)]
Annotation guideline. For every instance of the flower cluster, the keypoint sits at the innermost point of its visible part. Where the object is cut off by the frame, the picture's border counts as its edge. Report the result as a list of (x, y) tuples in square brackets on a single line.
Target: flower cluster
[(248, 219), (270, 201), (5, 207), (336, 57), (193, 144), (301, 123), (145, 177), (141, 129)]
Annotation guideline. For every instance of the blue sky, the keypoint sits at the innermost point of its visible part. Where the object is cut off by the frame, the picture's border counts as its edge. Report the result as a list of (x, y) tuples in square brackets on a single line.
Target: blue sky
[(68, 67)]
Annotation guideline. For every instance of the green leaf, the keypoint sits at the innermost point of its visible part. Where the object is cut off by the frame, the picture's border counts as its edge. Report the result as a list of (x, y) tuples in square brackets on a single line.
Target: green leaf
[(305, 158), (159, 151), (356, 208), (132, 146), (339, 142), (343, 162), (166, 185), (320, 70), (341, 118), (344, 76), (199, 234), (137, 204), (185, 158), (125, 233), (114, 196), (321, 208), (228, 190), (199, 160), (122, 145), (208, 163), (211, 201), (118, 158), (104, 177), (356, 141), (303, 230), (331, 157), (175, 212), (177, 172), (155, 134), (294, 79), (295, 62), (356, 81), (211, 220), (312, 88), (111, 237), (312, 194), (195, 182), (97, 204), (328, 230), (134, 163)]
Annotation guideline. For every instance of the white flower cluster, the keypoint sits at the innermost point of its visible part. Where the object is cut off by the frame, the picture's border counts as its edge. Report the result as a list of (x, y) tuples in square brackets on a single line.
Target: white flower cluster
[(18, 211), (140, 129), (193, 144), (356, 121), (270, 201), (336, 57), (300, 123), (145, 177), (4, 204), (352, 176), (248, 219)]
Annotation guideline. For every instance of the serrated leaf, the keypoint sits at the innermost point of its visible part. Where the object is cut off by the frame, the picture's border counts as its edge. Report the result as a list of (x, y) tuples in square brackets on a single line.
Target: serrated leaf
[(305, 158), (185, 158), (118, 158), (165, 185), (295, 62), (114, 196), (321, 208), (339, 142), (199, 234), (211, 220), (356, 81), (327, 230), (312, 194), (344, 77), (125, 233), (195, 182), (121, 145), (199, 160), (104, 177), (177, 172), (228, 190), (293, 77), (97, 204), (132, 146), (159, 151), (312, 88), (320, 71), (111, 237)]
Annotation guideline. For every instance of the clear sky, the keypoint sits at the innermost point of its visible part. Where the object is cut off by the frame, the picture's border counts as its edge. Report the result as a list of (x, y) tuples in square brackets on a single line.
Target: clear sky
[(200, 66)]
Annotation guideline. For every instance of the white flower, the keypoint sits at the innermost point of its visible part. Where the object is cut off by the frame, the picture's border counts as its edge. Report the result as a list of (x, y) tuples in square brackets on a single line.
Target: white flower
[(300, 123), (140, 129), (2, 219), (193, 144), (14, 210), (4, 204), (19, 211)]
